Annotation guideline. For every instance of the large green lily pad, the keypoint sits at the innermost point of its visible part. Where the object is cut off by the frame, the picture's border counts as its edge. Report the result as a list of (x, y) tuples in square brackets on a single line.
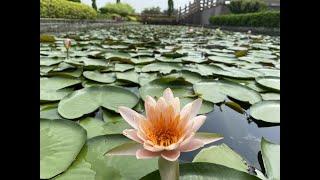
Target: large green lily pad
[(100, 77), (269, 82), (93, 161), (87, 100), (205, 171), (223, 155), (268, 111), (271, 158), (56, 83), (216, 91), (156, 87), (60, 143)]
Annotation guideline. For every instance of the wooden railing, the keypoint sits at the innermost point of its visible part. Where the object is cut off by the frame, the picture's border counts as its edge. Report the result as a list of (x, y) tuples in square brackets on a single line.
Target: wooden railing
[(197, 6)]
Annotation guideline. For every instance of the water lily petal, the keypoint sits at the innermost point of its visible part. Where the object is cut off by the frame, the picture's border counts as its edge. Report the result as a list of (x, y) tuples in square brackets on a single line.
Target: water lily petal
[(207, 138), (195, 108), (187, 139), (129, 148), (190, 110), (198, 122), (170, 155), (145, 154), (174, 145), (132, 134), (131, 116), (176, 106), (161, 105), (192, 145), (168, 95), (184, 113), (149, 105), (149, 147)]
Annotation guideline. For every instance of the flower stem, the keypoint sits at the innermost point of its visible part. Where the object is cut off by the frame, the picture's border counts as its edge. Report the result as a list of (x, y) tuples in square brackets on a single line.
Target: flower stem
[(169, 170)]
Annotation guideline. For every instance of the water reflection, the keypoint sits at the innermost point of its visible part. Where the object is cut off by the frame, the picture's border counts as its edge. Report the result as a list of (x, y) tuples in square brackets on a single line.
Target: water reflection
[(240, 134)]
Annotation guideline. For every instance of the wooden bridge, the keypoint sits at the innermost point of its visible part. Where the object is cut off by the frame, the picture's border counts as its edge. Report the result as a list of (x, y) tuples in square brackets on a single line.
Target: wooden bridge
[(199, 11)]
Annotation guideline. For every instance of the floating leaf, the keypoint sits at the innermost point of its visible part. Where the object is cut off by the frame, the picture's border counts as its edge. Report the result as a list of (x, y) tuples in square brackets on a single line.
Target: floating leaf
[(130, 76), (56, 83), (216, 91), (205, 171), (164, 68), (270, 96), (54, 95), (271, 158), (268, 111), (223, 155), (100, 77), (156, 87), (87, 100), (269, 82), (92, 160), (60, 143), (122, 67)]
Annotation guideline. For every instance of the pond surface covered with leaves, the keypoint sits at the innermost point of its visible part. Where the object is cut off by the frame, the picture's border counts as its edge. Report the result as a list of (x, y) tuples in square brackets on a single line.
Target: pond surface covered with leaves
[(236, 74)]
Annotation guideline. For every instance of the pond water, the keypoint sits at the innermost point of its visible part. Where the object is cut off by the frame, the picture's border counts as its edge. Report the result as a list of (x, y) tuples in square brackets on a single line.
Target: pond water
[(240, 133)]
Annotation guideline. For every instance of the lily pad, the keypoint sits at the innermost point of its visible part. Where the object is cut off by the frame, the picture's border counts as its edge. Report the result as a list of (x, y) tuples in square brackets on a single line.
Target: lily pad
[(205, 171), (216, 91), (130, 76), (100, 77), (271, 159), (122, 67), (270, 96), (56, 83), (60, 143), (54, 95), (87, 100), (156, 87), (270, 82), (268, 111), (92, 161), (164, 68), (223, 155)]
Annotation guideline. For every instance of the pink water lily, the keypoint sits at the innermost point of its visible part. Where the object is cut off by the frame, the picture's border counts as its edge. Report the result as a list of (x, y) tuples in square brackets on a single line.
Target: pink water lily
[(165, 131), (67, 43)]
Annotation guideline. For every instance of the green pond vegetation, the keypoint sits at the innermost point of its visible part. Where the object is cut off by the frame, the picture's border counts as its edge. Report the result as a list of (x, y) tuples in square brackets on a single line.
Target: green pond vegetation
[(119, 66)]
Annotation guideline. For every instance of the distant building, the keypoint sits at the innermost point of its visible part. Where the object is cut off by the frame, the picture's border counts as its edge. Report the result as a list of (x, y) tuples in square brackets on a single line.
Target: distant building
[(273, 4)]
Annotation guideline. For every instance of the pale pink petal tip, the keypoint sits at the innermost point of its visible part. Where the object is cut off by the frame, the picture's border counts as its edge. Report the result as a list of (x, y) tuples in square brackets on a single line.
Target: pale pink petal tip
[(168, 95), (198, 122), (132, 134), (170, 155), (129, 115)]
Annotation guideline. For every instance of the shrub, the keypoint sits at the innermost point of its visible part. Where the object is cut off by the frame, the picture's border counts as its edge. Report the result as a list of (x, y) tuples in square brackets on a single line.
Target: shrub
[(260, 19), (122, 9), (78, 1), (247, 6), (65, 9), (47, 38), (152, 10)]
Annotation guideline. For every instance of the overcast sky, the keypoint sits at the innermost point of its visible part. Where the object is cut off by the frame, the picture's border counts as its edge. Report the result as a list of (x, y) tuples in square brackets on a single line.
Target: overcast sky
[(139, 5)]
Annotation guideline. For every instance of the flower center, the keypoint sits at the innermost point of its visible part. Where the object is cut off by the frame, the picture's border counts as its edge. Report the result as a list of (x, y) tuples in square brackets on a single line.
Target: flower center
[(163, 131)]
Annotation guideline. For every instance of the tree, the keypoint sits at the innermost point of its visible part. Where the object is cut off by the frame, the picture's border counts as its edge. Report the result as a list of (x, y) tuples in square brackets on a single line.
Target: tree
[(94, 5), (170, 7), (118, 1)]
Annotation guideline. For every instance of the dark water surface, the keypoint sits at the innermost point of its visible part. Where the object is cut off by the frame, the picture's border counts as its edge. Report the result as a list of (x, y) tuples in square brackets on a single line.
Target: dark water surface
[(240, 134)]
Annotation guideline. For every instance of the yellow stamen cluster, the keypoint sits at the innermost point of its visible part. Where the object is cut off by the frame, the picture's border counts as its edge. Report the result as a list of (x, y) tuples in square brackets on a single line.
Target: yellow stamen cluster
[(164, 128)]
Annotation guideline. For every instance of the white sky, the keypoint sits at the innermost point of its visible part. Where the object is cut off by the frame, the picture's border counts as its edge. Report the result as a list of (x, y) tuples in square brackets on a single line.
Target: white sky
[(139, 5)]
